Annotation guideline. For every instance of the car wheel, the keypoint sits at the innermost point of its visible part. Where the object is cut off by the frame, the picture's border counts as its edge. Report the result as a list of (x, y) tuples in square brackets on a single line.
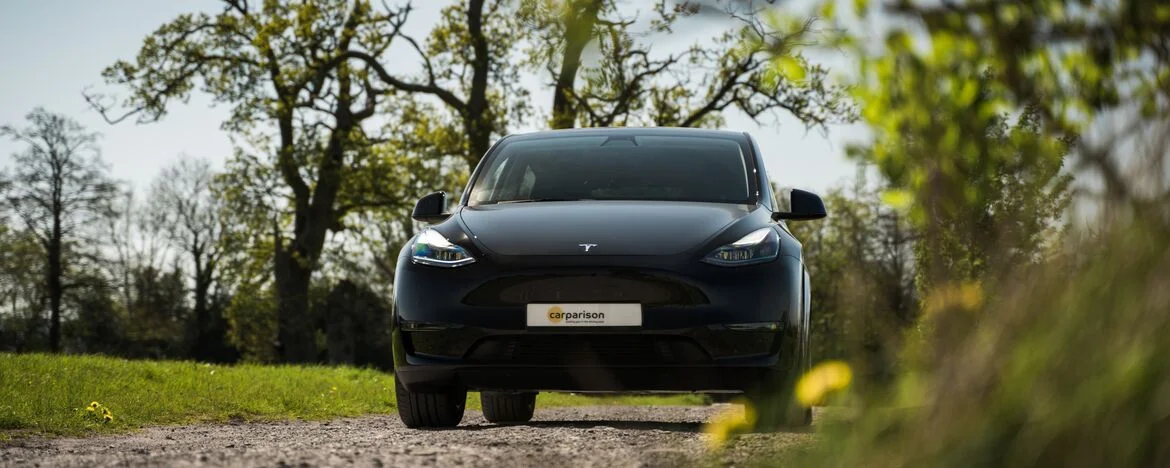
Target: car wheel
[(418, 409), (778, 410), (775, 402), (721, 397), (507, 407)]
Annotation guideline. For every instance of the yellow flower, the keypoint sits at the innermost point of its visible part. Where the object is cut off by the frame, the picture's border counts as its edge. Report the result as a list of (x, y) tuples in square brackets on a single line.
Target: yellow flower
[(93, 405), (728, 423), (965, 296), (108, 418), (825, 378)]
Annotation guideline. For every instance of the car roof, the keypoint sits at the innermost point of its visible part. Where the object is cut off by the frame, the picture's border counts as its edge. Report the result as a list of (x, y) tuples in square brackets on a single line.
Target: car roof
[(648, 131)]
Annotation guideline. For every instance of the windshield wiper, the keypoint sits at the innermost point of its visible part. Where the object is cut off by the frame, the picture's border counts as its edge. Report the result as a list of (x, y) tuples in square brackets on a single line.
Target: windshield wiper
[(530, 200)]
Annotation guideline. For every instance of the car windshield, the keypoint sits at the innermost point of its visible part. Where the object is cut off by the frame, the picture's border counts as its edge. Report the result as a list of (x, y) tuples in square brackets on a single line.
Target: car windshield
[(615, 167)]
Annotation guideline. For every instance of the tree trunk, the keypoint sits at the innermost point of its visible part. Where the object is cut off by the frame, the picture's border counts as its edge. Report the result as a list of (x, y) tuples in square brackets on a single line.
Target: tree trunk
[(477, 121), (341, 309), (53, 280), (295, 263), (292, 264), (578, 33), (314, 215), (200, 340), (297, 338)]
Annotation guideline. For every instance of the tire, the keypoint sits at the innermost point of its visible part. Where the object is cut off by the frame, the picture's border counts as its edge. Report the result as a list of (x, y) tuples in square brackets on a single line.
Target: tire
[(775, 402), (417, 409), (507, 407), (779, 411), (713, 398)]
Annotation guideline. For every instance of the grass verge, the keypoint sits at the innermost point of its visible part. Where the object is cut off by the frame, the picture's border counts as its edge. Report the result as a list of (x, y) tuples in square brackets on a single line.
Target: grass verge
[(44, 394)]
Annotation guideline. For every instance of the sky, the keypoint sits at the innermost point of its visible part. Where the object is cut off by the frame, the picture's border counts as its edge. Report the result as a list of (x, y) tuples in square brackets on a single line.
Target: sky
[(54, 49)]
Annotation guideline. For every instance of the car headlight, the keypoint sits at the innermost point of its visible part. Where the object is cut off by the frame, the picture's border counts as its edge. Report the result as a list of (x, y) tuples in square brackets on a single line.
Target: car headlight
[(759, 246), (431, 248)]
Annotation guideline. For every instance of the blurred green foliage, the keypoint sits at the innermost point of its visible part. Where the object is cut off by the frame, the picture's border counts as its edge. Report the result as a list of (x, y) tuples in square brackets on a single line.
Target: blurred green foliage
[(982, 183), (1040, 341), (1068, 364)]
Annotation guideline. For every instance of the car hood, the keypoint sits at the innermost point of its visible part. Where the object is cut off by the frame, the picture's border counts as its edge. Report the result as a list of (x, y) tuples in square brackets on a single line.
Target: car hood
[(615, 227)]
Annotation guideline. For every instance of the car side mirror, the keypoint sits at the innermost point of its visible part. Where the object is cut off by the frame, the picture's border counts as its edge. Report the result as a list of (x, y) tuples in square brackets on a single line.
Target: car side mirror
[(430, 209), (805, 205)]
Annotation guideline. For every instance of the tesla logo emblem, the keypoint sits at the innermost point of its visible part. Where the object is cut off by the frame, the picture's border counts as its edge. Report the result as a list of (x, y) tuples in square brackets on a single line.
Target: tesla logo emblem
[(587, 246)]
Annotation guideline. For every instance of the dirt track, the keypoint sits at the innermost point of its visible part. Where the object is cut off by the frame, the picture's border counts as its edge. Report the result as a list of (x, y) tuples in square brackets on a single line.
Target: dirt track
[(583, 436)]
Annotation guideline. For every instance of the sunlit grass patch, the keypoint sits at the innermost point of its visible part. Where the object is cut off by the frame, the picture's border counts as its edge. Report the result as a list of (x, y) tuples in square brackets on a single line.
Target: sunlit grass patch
[(63, 395), (73, 395)]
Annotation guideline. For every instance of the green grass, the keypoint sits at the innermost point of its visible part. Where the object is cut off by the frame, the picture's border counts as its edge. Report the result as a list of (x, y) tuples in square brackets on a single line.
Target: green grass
[(47, 394)]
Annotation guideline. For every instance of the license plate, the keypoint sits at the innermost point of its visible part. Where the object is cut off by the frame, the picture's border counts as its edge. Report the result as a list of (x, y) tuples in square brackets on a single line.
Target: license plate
[(584, 315)]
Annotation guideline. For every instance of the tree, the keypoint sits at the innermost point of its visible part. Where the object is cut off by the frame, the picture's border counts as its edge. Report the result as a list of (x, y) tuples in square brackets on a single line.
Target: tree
[(939, 90), (632, 84), (469, 66), (569, 31), (58, 186), (185, 209), (368, 253), (357, 326), (441, 122), (98, 324), (157, 314), (983, 189), (285, 66), (130, 244), (23, 325)]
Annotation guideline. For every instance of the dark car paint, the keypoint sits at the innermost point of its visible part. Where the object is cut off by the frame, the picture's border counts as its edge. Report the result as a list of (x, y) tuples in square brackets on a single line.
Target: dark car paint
[(663, 240)]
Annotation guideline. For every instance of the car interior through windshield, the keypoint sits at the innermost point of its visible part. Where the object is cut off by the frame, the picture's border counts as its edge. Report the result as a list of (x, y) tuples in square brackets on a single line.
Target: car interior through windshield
[(615, 168)]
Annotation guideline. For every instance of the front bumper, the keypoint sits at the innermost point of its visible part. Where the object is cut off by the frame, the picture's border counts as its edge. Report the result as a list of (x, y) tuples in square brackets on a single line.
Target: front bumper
[(628, 379), (465, 327)]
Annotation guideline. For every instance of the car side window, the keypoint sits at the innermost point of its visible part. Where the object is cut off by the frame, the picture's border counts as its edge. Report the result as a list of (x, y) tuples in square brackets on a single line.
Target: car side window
[(494, 181)]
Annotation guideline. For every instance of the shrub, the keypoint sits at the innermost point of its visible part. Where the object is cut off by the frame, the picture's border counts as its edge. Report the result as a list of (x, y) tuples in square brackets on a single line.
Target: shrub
[(1064, 364)]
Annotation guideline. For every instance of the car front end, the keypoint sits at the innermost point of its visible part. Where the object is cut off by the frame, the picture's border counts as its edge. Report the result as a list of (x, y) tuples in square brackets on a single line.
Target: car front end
[(486, 324)]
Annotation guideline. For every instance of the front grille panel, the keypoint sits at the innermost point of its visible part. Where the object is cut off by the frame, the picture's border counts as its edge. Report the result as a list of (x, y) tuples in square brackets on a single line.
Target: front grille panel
[(587, 349), (643, 289)]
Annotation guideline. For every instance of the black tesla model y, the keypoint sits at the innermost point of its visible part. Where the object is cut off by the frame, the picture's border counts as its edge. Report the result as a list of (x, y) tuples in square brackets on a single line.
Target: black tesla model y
[(627, 260)]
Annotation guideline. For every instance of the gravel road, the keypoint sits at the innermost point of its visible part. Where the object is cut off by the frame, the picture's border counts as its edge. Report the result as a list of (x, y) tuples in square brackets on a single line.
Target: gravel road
[(601, 436)]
